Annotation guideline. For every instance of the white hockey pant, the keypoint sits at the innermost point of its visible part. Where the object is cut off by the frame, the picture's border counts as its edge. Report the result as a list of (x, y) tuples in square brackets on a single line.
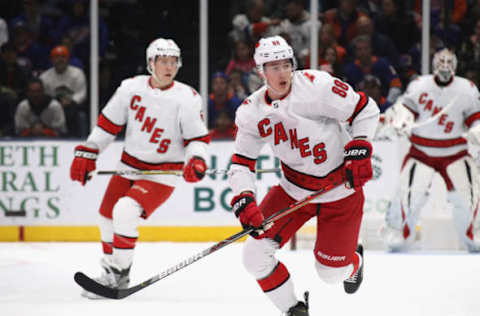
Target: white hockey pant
[(465, 201), (126, 218), (402, 216)]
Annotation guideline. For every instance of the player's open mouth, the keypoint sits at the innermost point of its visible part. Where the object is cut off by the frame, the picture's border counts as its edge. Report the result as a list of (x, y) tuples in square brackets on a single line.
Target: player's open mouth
[(283, 84)]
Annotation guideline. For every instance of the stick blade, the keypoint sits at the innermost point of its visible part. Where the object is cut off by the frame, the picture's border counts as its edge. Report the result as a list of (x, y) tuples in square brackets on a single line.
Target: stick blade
[(91, 285)]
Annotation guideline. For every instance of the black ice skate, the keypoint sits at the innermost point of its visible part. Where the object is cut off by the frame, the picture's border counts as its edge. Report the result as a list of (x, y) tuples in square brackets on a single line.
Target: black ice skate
[(301, 309), (352, 284)]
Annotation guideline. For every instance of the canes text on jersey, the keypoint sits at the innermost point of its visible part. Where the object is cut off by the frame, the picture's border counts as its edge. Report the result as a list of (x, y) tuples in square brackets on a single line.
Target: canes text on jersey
[(280, 135), (429, 106), (149, 125)]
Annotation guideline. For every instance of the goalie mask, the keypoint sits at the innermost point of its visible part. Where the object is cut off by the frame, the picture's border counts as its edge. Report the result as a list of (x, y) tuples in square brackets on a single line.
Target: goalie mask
[(444, 65), (272, 49), (162, 47)]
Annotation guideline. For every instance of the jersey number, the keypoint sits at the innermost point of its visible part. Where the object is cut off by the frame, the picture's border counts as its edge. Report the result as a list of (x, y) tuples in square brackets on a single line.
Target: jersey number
[(340, 88)]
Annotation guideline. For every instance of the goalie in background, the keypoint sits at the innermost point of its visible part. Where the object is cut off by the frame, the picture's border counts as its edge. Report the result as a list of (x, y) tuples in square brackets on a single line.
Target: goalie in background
[(300, 115), (438, 146), (164, 127)]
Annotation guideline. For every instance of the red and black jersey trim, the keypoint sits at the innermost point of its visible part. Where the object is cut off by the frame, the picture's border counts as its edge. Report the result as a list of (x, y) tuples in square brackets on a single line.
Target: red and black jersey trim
[(472, 118), (441, 143), (108, 126), (143, 165), (277, 278), (123, 242), (313, 183), (205, 139), (244, 161), (361, 104)]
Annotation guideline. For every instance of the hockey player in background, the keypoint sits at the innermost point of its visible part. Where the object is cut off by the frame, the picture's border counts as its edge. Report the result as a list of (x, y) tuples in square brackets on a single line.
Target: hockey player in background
[(439, 110), (301, 115), (164, 127)]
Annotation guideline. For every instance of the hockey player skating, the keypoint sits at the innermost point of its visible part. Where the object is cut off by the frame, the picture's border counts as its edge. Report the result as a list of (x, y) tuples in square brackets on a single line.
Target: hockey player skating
[(164, 127), (437, 146), (301, 115)]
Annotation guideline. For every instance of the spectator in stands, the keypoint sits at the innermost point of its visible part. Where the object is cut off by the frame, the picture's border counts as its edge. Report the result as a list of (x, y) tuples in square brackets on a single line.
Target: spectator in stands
[(297, 26), (254, 24), (221, 99), (472, 74), (39, 115), (41, 26), (7, 108), (3, 32), (381, 45), (106, 86), (12, 77), (67, 41), (68, 85), (449, 32), (469, 21), (326, 38), (237, 85), (224, 127), (344, 20), (366, 63), (242, 58), (372, 86), (470, 50), (77, 26), (31, 54), (329, 62), (399, 24)]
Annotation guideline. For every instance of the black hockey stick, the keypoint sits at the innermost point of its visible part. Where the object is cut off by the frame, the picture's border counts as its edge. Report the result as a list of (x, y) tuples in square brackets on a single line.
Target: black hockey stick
[(92, 286)]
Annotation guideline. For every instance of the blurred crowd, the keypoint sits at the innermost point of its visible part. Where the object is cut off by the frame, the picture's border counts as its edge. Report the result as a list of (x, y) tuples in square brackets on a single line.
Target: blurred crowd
[(374, 45)]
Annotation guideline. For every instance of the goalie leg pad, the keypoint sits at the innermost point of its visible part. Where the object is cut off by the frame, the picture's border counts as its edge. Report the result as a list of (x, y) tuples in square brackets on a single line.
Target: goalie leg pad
[(465, 201), (402, 216)]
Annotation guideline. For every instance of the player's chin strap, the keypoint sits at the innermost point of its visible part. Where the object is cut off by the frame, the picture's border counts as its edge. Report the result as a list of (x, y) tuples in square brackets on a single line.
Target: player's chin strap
[(91, 285)]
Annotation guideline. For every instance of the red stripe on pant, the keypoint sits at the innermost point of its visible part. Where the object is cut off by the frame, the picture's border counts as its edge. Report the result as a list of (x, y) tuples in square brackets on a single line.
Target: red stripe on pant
[(124, 242), (470, 228), (107, 248), (278, 276)]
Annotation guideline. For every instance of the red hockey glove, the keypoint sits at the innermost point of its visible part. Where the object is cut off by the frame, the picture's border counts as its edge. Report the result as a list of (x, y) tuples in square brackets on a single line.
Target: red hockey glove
[(358, 166), (195, 169), (83, 163), (245, 208)]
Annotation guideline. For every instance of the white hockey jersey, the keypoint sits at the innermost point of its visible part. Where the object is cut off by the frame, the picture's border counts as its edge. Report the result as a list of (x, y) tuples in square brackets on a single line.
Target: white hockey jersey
[(305, 130), (164, 128), (442, 136)]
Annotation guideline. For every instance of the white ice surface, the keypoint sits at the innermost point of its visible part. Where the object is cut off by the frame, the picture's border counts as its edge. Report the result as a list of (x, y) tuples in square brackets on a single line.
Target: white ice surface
[(36, 279)]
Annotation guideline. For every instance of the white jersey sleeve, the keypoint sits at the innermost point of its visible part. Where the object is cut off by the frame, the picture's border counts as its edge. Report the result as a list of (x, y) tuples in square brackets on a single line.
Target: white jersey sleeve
[(112, 119), (193, 128), (248, 145), (410, 96), (333, 98), (472, 112)]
